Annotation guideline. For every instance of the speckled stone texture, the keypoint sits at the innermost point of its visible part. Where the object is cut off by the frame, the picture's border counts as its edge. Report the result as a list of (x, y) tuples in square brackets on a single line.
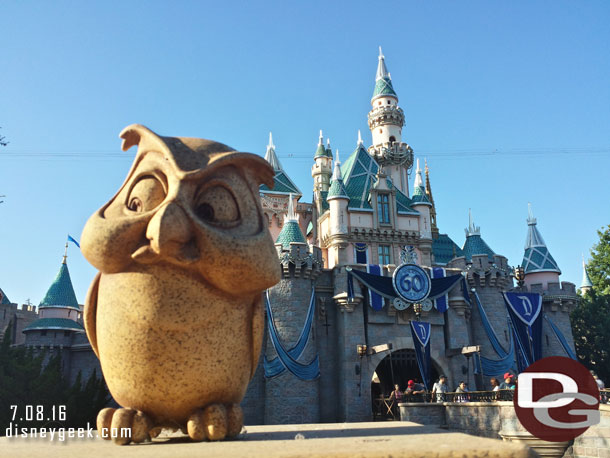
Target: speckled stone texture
[(175, 314)]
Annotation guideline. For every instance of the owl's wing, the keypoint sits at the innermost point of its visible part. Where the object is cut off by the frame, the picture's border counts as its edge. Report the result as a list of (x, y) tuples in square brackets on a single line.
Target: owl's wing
[(258, 328), (91, 312)]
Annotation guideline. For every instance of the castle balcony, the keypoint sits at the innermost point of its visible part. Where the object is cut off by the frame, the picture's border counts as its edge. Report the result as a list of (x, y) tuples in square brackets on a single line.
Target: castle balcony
[(392, 153), (383, 115)]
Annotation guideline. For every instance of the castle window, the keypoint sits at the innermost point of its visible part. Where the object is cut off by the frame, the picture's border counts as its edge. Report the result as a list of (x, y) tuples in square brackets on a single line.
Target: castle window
[(392, 139), (389, 102), (383, 208), (384, 254), (381, 131), (43, 333), (380, 102)]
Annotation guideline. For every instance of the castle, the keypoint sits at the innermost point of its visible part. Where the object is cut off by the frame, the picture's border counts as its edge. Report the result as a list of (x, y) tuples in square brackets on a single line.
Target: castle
[(365, 215)]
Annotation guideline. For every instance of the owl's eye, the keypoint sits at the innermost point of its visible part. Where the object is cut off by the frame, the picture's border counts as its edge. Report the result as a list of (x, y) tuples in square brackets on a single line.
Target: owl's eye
[(217, 205), (146, 194)]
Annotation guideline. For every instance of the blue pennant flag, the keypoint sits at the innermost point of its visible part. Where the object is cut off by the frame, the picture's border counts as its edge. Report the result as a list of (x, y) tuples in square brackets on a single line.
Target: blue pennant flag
[(420, 332), (441, 303), (524, 312), (71, 239)]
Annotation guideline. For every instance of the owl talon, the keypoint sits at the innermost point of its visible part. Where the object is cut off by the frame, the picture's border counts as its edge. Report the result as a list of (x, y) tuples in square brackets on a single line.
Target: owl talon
[(215, 422), (235, 420), (124, 425)]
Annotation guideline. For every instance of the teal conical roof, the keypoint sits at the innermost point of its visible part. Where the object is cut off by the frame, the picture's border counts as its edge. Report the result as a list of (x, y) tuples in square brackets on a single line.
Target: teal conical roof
[(383, 81), (419, 191), (337, 188), (322, 151), (586, 280), (3, 299), (445, 249), (537, 257), (291, 232), (64, 324), (61, 292), (474, 243)]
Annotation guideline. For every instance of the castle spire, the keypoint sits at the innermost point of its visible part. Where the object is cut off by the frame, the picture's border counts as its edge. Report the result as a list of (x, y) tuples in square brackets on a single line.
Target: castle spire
[(419, 191), (586, 283), (472, 229), (431, 199), (383, 80), (270, 155), (360, 143), (537, 257), (321, 151)]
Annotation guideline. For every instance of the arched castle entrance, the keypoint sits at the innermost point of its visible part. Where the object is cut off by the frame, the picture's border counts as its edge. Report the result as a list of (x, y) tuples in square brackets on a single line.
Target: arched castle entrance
[(397, 368)]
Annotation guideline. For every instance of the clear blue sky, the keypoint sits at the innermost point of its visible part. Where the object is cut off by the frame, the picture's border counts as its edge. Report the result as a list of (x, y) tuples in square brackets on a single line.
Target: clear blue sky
[(508, 101)]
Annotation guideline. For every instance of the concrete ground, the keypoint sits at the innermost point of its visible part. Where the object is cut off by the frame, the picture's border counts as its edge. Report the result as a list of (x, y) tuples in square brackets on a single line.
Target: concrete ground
[(379, 439)]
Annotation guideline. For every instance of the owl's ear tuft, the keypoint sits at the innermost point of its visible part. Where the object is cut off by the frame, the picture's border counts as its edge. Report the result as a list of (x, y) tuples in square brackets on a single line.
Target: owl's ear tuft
[(132, 134)]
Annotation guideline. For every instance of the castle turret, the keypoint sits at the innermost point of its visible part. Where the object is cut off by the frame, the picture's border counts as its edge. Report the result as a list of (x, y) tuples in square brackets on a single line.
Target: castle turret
[(422, 205), (386, 120), (322, 168), (59, 317), (291, 398), (539, 266), (291, 232), (474, 244), (586, 284), (337, 200)]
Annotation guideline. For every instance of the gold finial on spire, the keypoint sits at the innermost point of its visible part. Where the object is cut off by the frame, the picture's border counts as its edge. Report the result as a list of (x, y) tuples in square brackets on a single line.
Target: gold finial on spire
[(431, 199), (65, 254)]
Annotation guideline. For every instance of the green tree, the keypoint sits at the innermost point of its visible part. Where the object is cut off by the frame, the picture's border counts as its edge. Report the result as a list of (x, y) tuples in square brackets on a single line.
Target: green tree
[(591, 319), (29, 378)]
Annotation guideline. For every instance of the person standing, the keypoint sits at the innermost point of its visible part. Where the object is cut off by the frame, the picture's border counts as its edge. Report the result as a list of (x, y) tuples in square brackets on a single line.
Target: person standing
[(462, 388), (439, 389)]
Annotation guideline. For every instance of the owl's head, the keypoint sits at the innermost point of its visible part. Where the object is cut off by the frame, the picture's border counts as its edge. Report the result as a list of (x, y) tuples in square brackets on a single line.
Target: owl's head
[(188, 203)]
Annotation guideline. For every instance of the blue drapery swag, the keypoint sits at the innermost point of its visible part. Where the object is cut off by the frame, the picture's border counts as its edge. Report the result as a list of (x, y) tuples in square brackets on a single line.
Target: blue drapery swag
[(524, 310), (288, 359), (441, 303), (562, 340), (361, 249), (375, 300), (488, 366), (383, 285), (420, 331)]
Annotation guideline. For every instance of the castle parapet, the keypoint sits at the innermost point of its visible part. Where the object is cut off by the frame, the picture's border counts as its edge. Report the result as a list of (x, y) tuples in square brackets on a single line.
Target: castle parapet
[(300, 260)]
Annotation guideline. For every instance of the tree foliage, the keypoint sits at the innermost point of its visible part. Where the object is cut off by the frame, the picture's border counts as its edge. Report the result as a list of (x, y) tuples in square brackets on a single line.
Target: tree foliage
[(29, 378), (591, 319)]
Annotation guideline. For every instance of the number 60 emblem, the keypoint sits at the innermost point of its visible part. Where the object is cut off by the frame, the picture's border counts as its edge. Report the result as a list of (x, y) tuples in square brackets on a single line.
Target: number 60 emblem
[(411, 282)]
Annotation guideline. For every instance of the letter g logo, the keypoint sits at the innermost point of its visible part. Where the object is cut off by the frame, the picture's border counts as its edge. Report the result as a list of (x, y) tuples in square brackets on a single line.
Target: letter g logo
[(556, 399)]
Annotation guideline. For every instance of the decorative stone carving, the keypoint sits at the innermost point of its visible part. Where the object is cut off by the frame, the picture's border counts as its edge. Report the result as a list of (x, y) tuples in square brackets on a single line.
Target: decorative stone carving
[(175, 313)]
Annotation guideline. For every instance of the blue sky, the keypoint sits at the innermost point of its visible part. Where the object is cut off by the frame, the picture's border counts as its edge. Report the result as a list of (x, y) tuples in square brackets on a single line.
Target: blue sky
[(509, 102)]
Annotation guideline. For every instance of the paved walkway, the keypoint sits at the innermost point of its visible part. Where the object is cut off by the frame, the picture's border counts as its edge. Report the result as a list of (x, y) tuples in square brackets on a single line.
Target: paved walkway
[(380, 439)]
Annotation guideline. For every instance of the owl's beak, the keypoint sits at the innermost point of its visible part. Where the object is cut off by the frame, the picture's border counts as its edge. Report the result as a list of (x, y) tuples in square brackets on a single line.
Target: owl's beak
[(171, 237)]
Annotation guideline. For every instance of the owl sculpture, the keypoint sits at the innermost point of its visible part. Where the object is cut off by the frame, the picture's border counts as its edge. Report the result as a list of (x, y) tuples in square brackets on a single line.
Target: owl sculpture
[(175, 313)]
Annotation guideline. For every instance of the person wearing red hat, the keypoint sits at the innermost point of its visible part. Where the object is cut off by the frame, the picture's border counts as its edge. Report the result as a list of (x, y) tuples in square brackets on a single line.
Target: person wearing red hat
[(508, 383), (414, 389)]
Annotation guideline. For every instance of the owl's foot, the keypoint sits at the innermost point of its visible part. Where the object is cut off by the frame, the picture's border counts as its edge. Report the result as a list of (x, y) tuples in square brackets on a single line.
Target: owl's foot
[(215, 422), (123, 425)]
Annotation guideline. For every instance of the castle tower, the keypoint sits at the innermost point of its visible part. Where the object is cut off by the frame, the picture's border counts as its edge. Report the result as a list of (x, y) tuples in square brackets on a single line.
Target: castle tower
[(539, 266), (337, 200), (386, 120), (435, 232), (586, 284), (59, 317), (289, 399), (422, 204), (322, 168)]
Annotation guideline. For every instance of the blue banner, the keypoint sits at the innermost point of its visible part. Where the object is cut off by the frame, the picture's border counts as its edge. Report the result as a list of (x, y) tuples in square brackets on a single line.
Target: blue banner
[(288, 359), (441, 303), (524, 310), (420, 331), (71, 239), (375, 300), (562, 340), (361, 257)]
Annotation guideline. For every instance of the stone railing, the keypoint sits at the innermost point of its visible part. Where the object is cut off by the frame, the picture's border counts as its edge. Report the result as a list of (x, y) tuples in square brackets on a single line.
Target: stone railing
[(498, 420)]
